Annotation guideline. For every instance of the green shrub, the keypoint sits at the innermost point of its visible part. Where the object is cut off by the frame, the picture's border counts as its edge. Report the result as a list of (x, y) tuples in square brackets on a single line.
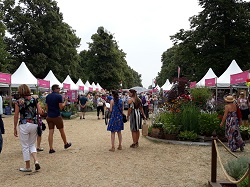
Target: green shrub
[(187, 135), (209, 123), (157, 125), (169, 121), (200, 96), (189, 117), (236, 168), (150, 129)]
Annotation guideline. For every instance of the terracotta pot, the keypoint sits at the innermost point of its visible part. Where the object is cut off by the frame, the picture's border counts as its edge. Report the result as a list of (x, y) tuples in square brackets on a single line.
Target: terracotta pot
[(155, 132)]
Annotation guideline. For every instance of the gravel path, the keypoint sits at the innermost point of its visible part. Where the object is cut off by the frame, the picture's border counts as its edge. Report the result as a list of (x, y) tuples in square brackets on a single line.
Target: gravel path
[(89, 163)]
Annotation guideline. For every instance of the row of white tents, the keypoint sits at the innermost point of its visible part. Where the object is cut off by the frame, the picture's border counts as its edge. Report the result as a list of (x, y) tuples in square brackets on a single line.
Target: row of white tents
[(23, 76), (222, 82)]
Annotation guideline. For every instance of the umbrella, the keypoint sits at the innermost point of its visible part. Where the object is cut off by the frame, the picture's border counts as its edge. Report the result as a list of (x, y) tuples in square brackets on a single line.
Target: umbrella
[(139, 89)]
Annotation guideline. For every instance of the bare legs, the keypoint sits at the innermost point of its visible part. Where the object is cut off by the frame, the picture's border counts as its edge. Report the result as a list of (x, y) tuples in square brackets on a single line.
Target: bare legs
[(50, 138), (135, 137), (119, 134)]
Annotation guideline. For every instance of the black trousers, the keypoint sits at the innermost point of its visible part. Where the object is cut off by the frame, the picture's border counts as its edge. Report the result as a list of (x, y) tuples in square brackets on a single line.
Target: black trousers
[(98, 110), (145, 110)]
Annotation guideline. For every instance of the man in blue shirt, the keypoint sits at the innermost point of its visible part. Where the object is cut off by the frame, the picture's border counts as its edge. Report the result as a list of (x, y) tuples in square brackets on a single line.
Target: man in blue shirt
[(83, 104), (54, 103)]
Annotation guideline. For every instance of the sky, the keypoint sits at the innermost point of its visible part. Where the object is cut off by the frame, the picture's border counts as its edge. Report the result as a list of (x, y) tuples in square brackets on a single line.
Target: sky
[(142, 28)]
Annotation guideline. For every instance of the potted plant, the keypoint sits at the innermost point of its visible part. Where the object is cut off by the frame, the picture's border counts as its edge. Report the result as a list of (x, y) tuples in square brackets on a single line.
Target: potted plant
[(67, 111), (156, 129)]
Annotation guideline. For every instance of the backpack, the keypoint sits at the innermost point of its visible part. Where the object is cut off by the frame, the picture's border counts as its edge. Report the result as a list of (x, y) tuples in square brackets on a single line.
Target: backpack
[(143, 100)]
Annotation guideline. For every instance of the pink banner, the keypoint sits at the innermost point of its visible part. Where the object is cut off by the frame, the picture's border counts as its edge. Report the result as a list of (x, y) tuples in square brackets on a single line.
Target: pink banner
[(210, 82), (5, 78), (43, 83), (72, 94), (192, 84), (239, 77), (81, 88), (66, 86), (90, 89)]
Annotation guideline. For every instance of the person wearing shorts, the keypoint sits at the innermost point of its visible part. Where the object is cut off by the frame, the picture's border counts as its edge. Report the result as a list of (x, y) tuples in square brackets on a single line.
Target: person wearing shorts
[(54, 103), (83, 104)]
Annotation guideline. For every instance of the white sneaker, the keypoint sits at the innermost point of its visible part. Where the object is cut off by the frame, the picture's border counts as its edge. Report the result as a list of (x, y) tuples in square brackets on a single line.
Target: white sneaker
[(25, 170)]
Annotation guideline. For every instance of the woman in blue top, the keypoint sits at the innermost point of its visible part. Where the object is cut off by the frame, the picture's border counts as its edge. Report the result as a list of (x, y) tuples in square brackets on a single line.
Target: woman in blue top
[(115, 123)]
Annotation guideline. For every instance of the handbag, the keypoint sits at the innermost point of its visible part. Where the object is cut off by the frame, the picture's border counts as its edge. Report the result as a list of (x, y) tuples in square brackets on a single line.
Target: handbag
[(100, 103), (144, 128), (124, 117), (239, 115)]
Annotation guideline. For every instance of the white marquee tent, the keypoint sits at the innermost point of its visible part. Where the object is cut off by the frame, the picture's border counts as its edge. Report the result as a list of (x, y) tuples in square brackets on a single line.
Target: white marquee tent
[(94, 87), (99, 87), (88, 87), (224, 79), (68, 80), (52, 78), (209, 75), (23, 76), (167, 86)]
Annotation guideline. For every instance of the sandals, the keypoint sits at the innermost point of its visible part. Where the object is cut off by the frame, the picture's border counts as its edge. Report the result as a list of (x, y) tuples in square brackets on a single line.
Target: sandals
[(134, 145), (119, 147), (241, 148), (39, 149), (112, 149)]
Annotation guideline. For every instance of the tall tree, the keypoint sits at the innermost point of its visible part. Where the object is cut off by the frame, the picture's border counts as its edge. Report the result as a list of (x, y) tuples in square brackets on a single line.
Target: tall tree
[(4, 55), (105, 62), (40, 38), (217, 35)]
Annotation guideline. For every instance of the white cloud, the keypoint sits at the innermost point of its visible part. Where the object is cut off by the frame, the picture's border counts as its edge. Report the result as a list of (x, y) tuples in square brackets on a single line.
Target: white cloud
[(141, 27)]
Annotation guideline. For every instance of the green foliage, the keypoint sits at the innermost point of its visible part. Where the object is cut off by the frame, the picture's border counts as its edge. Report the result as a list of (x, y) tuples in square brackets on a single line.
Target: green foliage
[(105, 62), (244, 183), (236, 168), (189, 116), (157, 125), (187, 135), (217, 35), (40, 38), (209, 123), (200, 96), (150, 129), (169, 122), (70, 108)]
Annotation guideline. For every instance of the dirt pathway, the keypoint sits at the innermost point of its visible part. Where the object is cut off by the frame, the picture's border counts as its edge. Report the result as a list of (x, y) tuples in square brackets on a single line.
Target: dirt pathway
[(89, 163)]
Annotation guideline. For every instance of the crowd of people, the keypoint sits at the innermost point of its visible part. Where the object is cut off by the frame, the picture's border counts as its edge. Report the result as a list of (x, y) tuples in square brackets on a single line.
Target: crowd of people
[(138, 106), (28, 112)]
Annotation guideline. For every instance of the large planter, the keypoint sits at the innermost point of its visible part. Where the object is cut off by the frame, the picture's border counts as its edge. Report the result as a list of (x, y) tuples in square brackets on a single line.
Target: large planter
[(245, 135), (66, 114), (155, 132)]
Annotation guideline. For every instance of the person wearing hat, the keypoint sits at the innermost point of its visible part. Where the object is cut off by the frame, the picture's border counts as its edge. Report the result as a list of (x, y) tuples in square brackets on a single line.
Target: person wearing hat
[(232, 130), (243, 104), (134, 115)]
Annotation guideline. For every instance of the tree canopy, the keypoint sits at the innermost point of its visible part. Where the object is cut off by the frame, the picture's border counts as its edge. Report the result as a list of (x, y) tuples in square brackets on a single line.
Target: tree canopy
[(39, 37), (105, 62), (217, 35)]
